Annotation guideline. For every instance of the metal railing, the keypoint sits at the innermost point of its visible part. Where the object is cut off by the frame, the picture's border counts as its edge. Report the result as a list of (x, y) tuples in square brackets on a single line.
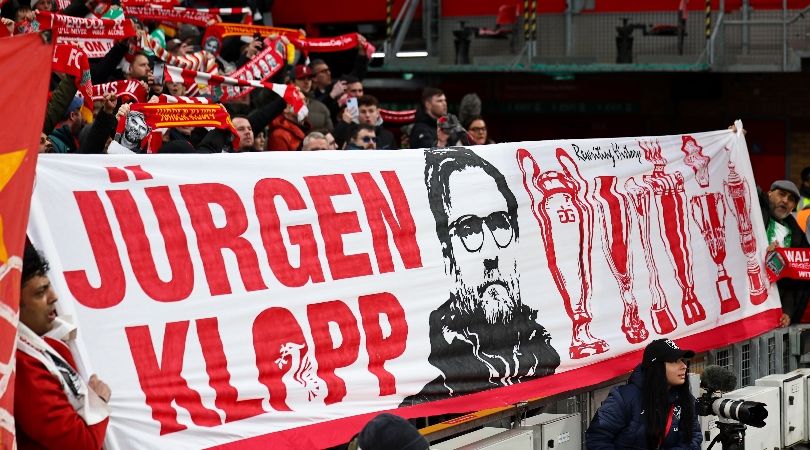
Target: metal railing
[(743, 39)]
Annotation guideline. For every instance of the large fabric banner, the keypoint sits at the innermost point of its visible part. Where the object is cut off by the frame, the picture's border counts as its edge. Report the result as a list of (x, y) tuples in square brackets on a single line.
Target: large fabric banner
[(25, 63), (280, 300)]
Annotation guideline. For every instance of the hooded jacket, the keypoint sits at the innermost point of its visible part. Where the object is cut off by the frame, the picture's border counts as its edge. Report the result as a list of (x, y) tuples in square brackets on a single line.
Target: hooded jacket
[(620, 422)]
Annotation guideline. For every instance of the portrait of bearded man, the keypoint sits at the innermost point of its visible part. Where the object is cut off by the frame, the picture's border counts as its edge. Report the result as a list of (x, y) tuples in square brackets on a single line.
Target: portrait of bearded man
[(483, 336)]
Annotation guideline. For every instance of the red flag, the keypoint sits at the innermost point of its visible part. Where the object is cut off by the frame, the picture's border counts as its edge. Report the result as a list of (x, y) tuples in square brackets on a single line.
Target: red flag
[(25, 65)]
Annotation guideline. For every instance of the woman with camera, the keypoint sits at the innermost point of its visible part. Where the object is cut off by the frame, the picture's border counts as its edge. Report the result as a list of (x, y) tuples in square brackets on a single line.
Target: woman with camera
[(654, 410)]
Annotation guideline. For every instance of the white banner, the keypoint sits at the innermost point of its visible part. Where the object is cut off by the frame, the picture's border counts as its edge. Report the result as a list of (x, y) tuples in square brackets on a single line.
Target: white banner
[(260, 300)]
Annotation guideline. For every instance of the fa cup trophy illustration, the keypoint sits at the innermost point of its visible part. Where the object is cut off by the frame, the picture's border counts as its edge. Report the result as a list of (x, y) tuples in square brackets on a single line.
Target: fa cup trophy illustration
[(737, 188), (616, 225), (709, 213), (695, 159), (670, 198), (662, 319), (562, 209)]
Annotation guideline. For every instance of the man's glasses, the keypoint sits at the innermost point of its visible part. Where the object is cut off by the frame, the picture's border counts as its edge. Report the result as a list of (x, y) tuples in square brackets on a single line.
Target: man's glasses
[(325, 70), (478, 129), (368, 139), (470, 229)]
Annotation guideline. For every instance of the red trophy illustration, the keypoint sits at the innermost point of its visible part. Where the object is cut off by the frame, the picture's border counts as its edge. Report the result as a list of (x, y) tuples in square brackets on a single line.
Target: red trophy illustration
[(709, 213), (662, 319), (696, 160), (561, 207), (616, 226), (670, 198), (737, 188)]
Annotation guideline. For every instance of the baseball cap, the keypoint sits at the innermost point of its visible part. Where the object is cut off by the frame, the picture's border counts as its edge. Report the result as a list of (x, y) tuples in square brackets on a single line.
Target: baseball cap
[(74, 105), (664, 350), (787, 186), (302, 72), (390, 432)]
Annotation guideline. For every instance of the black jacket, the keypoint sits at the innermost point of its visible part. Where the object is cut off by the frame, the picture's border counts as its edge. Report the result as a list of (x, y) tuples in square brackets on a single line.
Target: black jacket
[(620, 422), (793, 293), (423, 133), (510, 353)]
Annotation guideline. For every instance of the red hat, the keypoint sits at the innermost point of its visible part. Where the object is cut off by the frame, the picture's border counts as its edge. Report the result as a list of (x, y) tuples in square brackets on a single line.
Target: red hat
[(302, 72)]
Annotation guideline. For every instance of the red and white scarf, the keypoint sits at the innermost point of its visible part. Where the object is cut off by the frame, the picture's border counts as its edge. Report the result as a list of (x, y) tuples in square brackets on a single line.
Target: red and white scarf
[(398, 117), (87, 404), (332, 44), (264, 65), (123, 89), (71, 60), (223, 87), (201, 17), (212, 39), (175, 115), (69, 26)]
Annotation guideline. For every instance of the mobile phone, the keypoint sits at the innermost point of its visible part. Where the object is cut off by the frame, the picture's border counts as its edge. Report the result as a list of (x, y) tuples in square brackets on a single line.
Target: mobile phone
[(354, 110), (158, 72)]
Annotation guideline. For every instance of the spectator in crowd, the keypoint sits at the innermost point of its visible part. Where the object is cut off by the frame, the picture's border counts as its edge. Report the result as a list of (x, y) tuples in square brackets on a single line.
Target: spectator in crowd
[(65, 138), (433, 106), (315, 141), (363, 137), (783, 231), (354, 87), (260, 141), (477, 129), (655, 409), (286, 133), (245, 132), (319, 115), (54, 406), (388, 432), (368, 113), (330, 141), (804, 190)]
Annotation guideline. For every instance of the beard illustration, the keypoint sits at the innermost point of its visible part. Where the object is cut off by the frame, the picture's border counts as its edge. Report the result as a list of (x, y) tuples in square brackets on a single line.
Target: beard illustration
[(492, 302)]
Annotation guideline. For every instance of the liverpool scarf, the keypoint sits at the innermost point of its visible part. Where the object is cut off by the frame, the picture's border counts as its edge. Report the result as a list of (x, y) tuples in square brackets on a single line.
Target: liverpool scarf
[(124, 89), (788, 263), (69, 26), (332, 44), (201, 17), (212, 39), (224, 87), (72, 61)]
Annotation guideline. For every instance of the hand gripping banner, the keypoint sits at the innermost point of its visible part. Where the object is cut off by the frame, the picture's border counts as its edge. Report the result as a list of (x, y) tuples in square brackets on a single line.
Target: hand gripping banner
[(25, 63), (272, 300)]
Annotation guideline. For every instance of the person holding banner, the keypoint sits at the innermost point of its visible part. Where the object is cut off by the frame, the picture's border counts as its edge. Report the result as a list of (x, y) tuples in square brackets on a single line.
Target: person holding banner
[(783, 231), (54, 407), (654, 410)]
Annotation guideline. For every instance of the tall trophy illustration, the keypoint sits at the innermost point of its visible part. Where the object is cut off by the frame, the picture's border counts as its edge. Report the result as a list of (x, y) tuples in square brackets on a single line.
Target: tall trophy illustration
[(709, 213), (670, 198), (662, 319), (737, 188), (695, 159), (616, 225), (562, 209)]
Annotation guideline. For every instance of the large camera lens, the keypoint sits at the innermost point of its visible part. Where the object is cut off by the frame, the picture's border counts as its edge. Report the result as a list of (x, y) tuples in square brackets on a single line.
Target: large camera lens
[(749, 413)]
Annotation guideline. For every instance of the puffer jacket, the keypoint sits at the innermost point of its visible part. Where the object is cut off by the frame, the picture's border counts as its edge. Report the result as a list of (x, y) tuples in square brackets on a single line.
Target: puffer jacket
[(620, 422)]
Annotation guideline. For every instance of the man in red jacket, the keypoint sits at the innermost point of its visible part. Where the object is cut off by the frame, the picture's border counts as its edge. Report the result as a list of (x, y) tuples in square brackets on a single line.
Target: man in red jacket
[(54, 407)]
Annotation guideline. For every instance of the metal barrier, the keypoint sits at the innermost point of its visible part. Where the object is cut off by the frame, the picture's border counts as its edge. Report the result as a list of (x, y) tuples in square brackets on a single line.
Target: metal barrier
[(743, 39)]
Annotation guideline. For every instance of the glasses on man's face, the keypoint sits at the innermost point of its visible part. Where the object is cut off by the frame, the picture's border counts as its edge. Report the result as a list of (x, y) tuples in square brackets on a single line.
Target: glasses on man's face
[(368, 139), (478, 129), (470, 229), (324, 70)]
